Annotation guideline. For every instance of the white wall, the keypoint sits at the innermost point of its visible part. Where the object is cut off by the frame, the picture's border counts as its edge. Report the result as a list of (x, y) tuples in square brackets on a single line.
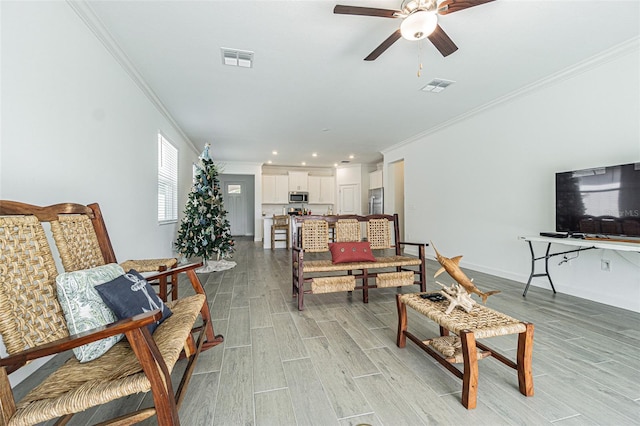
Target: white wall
[(475, 186), (76, 128)]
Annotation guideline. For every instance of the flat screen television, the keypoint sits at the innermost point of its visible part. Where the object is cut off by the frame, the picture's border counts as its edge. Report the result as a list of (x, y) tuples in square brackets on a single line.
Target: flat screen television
[(600, 201)]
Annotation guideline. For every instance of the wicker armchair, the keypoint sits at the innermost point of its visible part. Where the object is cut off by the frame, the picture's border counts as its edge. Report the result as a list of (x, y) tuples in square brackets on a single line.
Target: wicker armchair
[(32, 326), (83, 242)]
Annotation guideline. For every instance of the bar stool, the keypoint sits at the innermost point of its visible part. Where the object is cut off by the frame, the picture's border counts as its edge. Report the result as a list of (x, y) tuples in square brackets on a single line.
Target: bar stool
[(280, 227)]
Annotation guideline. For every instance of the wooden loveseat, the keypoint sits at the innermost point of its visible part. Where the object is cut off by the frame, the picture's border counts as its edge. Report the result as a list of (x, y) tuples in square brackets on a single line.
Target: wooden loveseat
[(33, 326), (391, 268)]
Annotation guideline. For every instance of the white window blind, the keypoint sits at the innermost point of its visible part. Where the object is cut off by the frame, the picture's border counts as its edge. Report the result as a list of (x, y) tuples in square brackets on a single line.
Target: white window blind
[(167, 181)]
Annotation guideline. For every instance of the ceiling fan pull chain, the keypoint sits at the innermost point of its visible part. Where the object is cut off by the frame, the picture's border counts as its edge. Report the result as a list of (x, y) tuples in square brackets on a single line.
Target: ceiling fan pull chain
[(419, 58)]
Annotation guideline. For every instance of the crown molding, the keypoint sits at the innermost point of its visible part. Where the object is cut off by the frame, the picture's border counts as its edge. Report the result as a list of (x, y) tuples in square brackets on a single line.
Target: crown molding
[(595, 61), (91, 20)]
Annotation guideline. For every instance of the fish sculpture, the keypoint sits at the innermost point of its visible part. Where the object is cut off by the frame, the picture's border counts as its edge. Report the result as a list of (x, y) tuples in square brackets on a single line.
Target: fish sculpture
[(452, 268)]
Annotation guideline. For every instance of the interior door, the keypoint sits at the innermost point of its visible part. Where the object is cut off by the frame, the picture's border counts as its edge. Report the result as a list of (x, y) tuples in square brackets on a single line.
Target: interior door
[(349, 197), (235, 203)]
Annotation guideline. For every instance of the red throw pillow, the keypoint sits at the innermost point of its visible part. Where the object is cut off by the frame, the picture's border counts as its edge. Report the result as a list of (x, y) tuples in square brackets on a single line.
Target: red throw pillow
[(351, 252)]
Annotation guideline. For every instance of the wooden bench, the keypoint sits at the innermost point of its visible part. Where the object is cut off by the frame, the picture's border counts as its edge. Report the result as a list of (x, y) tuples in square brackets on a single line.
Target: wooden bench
[(33, 326), (481, 322), (395, 269)]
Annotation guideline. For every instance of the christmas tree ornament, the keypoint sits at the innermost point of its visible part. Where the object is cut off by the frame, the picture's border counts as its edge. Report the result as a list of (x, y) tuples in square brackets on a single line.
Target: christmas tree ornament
[(204, 230)]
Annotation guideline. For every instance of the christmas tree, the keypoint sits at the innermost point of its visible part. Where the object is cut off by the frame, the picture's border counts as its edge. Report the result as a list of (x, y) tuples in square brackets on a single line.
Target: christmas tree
[(204, 231)]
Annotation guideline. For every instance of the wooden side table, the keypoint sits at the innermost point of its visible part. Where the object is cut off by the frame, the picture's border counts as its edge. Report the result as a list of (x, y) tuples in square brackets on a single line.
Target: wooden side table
[(481, 322)]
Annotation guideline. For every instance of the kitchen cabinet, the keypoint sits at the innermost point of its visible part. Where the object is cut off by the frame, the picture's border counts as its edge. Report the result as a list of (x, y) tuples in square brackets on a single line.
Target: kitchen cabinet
[(375, 179), (322, 189), (298, 181), (275, 189)]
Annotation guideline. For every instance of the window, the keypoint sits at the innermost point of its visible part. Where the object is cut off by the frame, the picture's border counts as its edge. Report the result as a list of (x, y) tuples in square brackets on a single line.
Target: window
[(167, 181), (234, 189)]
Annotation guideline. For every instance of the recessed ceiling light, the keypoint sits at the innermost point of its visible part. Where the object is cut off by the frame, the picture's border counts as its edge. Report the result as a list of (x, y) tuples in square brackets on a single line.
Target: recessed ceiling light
[(274, 152), (351, 157), (335, 164), (315, 154), (304, 164), (269, 162)]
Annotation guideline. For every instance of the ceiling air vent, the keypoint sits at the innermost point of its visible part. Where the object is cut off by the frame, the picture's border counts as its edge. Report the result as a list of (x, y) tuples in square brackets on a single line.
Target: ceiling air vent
[(237, 58), (437, 85), (345, 161)]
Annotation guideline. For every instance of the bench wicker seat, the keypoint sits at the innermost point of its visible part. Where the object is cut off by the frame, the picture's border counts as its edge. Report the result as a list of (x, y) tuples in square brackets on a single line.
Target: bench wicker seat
[(325, 265), (484, 322), (311, 239)]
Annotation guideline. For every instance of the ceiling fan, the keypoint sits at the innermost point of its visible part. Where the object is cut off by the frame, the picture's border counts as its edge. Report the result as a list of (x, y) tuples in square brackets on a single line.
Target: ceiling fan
[(419, 20)]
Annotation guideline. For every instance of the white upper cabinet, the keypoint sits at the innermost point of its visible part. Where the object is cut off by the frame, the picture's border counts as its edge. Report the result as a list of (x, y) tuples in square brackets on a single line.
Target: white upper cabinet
[(322, 189), (275, 189), (298, 181), (375, 179)]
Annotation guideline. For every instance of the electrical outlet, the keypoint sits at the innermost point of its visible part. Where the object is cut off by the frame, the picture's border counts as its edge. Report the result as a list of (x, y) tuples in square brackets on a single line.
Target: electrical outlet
[(605, 265)]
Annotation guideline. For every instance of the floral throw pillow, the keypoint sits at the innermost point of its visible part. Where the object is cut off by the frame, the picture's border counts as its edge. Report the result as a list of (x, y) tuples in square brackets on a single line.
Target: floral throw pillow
[(84, 309)]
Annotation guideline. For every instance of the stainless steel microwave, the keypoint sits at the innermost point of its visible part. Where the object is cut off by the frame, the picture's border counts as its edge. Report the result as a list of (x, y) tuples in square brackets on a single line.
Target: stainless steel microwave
[(298, 197)]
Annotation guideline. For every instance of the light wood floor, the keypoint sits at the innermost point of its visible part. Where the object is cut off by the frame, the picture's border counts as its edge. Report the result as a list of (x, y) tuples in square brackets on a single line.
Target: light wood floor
[(336, 362)]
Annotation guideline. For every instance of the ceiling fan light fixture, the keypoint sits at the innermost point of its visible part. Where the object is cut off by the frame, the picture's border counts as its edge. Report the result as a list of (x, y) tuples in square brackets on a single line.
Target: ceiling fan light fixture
[(418, 25)]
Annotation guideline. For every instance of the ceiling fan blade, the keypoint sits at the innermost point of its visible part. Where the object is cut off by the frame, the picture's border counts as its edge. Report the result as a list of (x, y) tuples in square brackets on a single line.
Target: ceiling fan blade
[(450, 6), (384, 46), (442, 42), (365, 11)]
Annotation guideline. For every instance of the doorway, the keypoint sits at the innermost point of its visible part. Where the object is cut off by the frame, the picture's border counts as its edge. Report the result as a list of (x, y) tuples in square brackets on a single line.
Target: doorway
[(239, 203), (395, 199)]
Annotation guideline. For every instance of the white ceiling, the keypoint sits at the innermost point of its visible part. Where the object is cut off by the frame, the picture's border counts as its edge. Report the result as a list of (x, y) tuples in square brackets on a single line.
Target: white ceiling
[(310, 90)]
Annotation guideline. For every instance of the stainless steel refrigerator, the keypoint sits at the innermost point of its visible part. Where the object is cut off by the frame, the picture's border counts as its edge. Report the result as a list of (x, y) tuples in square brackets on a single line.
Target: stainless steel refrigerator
[(376, 201)]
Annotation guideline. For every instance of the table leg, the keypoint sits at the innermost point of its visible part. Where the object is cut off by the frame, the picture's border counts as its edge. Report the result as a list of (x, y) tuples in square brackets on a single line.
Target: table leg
[(470, 375), (546, 258), (300, 295), (365, 286), (546, 267), (525, 351), (401, 339)]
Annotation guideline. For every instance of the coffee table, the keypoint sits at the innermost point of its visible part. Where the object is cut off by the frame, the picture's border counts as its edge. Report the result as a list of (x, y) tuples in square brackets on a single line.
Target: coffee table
[(480, 323)]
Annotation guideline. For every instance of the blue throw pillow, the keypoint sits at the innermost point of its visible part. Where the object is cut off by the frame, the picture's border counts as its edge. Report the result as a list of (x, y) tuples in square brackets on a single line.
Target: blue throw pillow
[(130, 294)]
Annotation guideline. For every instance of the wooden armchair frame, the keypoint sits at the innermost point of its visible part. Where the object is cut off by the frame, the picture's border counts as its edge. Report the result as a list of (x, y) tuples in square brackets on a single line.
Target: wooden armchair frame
[(95, 247), (180, 338), (164, 278), (311, 235)]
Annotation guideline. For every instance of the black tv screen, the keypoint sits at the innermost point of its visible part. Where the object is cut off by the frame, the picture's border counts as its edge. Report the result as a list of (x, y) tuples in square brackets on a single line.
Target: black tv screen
[(599, 201)]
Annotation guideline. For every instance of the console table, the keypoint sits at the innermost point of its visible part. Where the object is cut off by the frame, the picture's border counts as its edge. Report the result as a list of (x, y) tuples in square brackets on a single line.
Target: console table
[(581, 244)]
